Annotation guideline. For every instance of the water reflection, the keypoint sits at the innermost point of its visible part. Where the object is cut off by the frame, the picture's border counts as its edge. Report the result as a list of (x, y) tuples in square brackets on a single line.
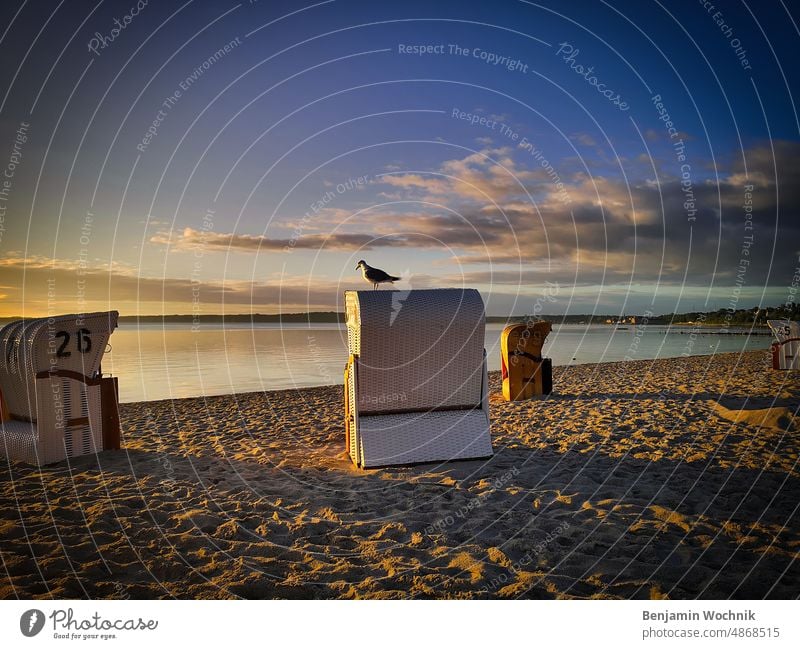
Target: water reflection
[(173, 361)]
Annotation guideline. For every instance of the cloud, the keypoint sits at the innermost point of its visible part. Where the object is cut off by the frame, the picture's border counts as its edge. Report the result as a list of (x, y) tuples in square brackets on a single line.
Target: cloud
[(488, 209), (583, 138), (65, 286), (486, 175), (652, 135), (192, 240), (613, 231)]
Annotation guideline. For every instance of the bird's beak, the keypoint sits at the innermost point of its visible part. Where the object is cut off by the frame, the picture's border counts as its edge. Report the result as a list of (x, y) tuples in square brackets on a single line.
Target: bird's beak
[(357, 267)]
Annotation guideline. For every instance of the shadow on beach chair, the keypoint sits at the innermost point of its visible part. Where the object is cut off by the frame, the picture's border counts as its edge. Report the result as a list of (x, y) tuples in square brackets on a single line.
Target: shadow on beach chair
[(57, 404), (416, 387)]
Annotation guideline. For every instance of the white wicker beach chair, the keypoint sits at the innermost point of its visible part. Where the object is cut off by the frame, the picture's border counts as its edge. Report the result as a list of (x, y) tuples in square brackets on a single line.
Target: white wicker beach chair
[(50, 379), (416, 383), (786, 351)]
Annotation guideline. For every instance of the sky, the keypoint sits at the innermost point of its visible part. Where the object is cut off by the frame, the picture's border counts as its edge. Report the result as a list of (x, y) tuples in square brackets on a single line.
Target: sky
[(223, 157)]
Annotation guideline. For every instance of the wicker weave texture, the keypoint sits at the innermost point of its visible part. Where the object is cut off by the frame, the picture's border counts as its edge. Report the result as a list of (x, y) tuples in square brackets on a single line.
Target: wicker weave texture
[(423, 437), (353, 411), (65, 412), (20, 441), (8, 335), (13, 376), (63, 400), (418, 382), (786, 332), (54, 437), (435, 436), (32, 346), (419, 349)]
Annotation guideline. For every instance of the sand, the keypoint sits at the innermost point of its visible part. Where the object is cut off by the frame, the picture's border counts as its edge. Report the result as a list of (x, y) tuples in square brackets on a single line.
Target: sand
[(650, 479)]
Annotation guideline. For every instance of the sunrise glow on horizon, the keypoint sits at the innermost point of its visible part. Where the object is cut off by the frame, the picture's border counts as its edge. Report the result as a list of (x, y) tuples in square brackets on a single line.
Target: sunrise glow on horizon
[(216, 160)]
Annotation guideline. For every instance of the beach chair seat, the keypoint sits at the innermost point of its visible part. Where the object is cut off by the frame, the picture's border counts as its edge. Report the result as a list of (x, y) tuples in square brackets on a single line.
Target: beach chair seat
[(786, 349), (56, 402), (416, 382), (525, 373)]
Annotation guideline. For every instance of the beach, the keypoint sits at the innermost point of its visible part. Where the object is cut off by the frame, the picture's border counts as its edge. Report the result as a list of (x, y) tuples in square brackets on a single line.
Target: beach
[(675, 478)]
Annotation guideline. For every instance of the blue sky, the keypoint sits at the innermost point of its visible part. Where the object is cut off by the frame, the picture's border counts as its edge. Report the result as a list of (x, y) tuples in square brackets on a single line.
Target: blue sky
[(307, 136)]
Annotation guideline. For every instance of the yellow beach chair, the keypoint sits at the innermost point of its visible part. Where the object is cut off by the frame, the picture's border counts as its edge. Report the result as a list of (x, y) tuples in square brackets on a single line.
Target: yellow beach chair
[(525, 373)]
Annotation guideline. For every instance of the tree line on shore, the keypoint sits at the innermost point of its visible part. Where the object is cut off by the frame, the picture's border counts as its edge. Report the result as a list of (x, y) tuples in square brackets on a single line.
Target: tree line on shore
[(725, 317)]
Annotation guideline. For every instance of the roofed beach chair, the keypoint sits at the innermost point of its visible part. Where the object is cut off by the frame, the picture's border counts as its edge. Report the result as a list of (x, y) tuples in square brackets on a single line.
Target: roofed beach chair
[(416, 382), (56, 402), (525, 373), (786, 350)]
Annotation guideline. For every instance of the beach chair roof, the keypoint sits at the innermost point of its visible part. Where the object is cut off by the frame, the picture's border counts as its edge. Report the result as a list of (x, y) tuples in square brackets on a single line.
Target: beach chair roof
[(72, 342)]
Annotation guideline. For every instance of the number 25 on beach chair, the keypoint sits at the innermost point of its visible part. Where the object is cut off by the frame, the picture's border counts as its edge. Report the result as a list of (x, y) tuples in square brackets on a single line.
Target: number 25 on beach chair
[(525, 373), (416, 382), (56, 403), (786, 349)]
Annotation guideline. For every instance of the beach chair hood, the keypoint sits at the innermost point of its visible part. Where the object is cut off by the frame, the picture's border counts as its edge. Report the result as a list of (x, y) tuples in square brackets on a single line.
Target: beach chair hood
[(417, 380)]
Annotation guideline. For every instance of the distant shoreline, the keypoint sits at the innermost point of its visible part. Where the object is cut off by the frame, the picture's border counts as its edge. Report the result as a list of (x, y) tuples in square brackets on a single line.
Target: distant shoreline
[(337, 317), (316, 317)]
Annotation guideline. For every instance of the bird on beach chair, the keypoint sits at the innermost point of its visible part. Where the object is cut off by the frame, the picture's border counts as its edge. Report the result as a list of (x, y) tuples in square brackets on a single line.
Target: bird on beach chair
[(375, 276)]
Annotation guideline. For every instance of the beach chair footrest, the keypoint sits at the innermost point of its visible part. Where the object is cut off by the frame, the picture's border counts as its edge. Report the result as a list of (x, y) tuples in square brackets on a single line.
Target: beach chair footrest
[(423, 437)]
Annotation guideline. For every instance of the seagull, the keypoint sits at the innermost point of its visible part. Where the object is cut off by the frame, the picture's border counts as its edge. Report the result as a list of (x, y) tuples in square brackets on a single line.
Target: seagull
[(374, 276)]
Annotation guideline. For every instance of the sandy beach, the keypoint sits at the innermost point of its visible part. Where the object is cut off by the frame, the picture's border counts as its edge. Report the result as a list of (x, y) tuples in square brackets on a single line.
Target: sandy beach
[(674, 478)]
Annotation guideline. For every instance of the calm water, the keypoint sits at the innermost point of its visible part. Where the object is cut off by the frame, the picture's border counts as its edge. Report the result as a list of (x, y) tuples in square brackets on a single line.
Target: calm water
[(172, 361)]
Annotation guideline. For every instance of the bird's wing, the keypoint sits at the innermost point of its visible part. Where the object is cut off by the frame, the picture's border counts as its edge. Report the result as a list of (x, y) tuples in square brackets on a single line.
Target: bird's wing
[(377, 275)]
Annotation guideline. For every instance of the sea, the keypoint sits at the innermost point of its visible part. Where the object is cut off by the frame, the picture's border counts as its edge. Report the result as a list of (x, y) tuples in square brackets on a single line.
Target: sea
[(172, 361)]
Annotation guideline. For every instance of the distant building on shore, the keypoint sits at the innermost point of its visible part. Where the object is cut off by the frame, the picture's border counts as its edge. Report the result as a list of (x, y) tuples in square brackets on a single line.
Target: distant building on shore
[(624, 320)]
